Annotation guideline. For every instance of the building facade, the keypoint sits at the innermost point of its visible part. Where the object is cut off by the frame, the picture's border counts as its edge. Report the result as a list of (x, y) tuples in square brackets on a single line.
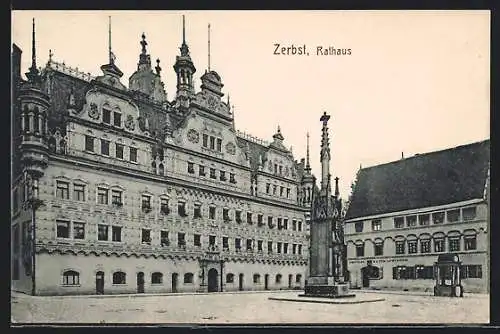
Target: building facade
[(404, 214), (118, 189)]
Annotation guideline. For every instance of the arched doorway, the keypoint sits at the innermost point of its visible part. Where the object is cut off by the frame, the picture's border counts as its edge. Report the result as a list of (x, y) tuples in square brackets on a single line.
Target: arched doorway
[(140, 282), (240, 282), (99, 283), (174, 282), (266, 282), (213, 286), (365, 277), (290, 277)]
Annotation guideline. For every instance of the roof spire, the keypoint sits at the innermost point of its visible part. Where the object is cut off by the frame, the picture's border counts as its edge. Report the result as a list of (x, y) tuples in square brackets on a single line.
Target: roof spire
[(308, 166), (143, 44), (325, 155), (32, 75), (209, 47), (110, 53), (184, 47)]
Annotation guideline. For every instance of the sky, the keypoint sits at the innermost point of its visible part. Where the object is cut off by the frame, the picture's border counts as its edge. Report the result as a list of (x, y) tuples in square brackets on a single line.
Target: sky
[(414, 82)]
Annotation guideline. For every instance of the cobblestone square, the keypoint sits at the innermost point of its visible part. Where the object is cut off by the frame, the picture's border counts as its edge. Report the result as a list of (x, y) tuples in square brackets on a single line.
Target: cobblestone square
[(253, 308)]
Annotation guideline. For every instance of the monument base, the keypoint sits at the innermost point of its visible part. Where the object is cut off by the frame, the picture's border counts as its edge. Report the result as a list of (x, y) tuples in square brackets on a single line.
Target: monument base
[(329, 290)]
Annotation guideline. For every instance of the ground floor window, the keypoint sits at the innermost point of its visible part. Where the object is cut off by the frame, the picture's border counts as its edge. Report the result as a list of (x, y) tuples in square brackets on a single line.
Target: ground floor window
[(156, 278), (71, 277), (256, 278), (298, 278), (188, 278), (119, 277), (424, 272), (229, 278), (278, 279), (471, 271), (413, 272)]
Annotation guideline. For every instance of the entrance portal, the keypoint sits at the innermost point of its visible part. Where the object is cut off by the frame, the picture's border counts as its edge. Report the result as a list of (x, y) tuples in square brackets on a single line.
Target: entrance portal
[(213, 286), (99, 283), (174, 282), (240, 288), (365, 277), (266, 282), (140, 282)]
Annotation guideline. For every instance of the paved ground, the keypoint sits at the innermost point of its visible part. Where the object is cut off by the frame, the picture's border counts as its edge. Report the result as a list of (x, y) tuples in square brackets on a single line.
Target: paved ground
[(238, 308)]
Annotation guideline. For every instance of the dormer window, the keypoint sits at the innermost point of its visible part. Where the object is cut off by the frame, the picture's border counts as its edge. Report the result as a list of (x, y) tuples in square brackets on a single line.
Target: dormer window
[(106, 116)]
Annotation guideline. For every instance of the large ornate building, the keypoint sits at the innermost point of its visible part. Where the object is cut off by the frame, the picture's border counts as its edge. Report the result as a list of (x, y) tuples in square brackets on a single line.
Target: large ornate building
[(118, 189), (405, 213)]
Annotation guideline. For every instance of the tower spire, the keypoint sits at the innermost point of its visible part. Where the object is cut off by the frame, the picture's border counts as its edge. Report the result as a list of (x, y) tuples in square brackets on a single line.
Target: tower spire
[(209, 47), (183, 30), (110, 53), (32, 75), (308, 166), (325, 155)]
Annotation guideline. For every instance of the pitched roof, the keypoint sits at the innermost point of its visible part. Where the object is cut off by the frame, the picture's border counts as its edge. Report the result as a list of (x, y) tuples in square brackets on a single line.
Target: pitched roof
[(431, 179)]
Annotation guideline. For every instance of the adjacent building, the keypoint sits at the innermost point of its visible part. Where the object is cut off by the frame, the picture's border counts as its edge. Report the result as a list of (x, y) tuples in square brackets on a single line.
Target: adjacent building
[(403, 214), (118, 189)]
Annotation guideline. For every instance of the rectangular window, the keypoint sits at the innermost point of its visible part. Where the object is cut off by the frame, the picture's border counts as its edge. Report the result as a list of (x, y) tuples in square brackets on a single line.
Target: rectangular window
[(205, 140), (211, 240), (89, 143), (190, 168), (378, 249), (119, 151), (79, 231), (453, 215), (116, 233), (102, 196), (164, 238), (300, 249), (146, 236), (146, 203), (249, 244), (212, 173), (197, 240), (275, 168), (201, 170), (423, 220), (222, 175), (79, 192), (469, 213), (285, 248), (197, 210), (411, 221), (412, 247), (102, 232), (400, 247), (376, 225), (164, 206), (270, 221), (260, 218), (259, 245), (181, 209), (105, 147), (424, 272), (439, 245), (181, 242), (237, 243), (275, 187), (211, 212), (62, 229), (225, 243), (470, 242), (294, 225), (472, 271), (106, 116), (399, 222), (282, 189), (62, 190), (133, 154), (280, 226), (287, 192), (300, 225), (294, 248), (280, 169), (231, 178), (225, 215), (116, 197), (249, 217), (358, 227), (117, 119), (219, 144), (360, 250), (278, 248), (285, 223), (438, 217), (238, 216), (269, 247), (425, 246), (268, 188), (454, 244), (212, 143)]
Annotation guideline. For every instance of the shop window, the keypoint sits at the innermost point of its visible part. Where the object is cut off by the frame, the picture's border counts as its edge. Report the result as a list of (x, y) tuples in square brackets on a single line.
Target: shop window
[(256, 278), (119, 277), (188, 278), (156, 278), (71, 277), (230, 278), (278, 279)]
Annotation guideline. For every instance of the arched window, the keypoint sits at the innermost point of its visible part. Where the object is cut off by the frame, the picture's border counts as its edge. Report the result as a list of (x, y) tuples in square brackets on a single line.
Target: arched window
[(230, 278), (71, 277), (161, 169), (156, 278), (153, 166), (298, 278), (119, 277), (256, 278), (278, 279), (188, 278)]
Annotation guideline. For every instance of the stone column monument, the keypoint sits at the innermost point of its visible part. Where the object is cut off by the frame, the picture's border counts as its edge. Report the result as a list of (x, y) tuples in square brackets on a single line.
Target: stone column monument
[(327, 253)]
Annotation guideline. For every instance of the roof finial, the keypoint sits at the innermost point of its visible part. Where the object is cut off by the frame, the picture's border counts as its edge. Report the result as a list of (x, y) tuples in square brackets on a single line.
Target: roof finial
[(50, 56), (183, 31), (158, 68), (112, 57), (32, 75), (209, 47), (143, 43), (308, 166)]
